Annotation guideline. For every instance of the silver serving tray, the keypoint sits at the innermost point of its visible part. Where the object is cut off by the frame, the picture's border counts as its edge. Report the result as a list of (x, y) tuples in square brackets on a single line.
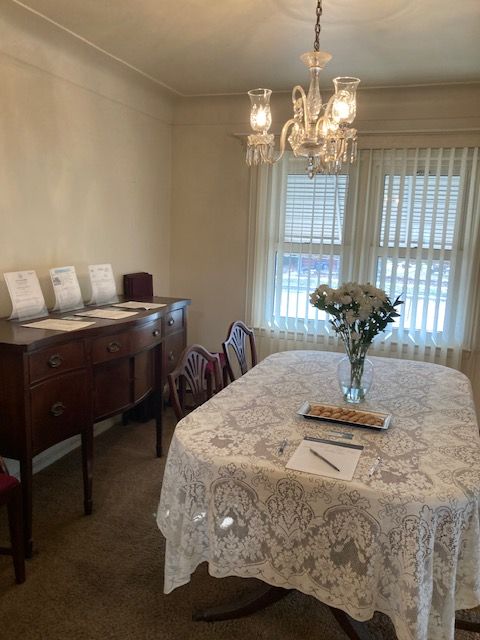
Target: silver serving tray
[(361, 417)]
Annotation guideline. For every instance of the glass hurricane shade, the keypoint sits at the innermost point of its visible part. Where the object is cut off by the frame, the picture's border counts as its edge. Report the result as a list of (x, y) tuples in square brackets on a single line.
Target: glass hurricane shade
[(344, 106), (260, 114)]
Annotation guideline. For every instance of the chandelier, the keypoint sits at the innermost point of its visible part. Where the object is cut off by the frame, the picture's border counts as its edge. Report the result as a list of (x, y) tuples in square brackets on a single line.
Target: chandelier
[(319, 132)]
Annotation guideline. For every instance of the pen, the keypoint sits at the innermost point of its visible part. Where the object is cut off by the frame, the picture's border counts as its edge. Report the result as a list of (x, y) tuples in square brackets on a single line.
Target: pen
[(281, 448), (374, 467), (330, 464)]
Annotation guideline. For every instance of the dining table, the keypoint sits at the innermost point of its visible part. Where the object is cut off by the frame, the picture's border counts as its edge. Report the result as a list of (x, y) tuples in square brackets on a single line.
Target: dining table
[(402, 537)]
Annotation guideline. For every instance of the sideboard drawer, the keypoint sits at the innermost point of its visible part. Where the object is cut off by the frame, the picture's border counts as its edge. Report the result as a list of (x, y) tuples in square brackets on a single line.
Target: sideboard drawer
[(111, 347), (174, 345), (48, 362), (146, 336), (174, 321), (61, 408)]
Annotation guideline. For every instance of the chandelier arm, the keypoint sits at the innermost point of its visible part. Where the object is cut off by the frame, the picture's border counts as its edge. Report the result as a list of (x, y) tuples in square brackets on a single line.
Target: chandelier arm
[(303, 95), (319, 125), (326, 116), (283, 136), (328, 107)]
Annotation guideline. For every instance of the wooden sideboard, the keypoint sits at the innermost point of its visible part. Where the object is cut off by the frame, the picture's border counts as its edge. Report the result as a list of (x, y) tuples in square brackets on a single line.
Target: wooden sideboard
[(54, 385)]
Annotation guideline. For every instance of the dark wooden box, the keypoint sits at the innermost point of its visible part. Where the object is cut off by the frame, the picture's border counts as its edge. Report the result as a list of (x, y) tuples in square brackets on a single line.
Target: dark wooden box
[(138, 285)]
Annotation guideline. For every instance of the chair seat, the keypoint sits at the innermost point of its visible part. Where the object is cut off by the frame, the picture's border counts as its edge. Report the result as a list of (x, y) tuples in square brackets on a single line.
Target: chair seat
[(223, 362), (11, 496), (7, 483), (223, 367)]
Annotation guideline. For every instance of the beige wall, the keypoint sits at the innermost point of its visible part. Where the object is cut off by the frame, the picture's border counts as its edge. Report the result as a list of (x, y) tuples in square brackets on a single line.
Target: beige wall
[(211, 184), (85, 158), (209, 224)]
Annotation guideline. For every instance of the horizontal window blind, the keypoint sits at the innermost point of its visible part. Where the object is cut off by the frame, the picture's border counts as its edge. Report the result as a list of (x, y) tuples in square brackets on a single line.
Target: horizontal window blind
[(314, 209), (309, 245), (420, 211)]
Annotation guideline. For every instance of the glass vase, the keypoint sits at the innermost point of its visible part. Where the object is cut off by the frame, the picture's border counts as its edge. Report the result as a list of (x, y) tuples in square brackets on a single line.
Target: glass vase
[(355, 377)]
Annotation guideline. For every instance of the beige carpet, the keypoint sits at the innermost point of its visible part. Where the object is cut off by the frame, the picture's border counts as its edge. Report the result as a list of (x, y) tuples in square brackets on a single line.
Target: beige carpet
[(101, 577)]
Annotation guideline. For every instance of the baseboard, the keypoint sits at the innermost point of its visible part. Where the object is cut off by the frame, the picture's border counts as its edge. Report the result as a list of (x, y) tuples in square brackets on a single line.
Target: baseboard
[(56, 452)]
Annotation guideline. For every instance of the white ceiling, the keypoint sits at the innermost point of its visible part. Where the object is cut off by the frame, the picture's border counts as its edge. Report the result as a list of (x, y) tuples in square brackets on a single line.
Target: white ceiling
[(198, 47)]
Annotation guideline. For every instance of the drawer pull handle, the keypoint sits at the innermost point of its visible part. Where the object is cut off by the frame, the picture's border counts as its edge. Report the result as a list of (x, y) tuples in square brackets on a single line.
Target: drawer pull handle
[(171, 322), (156, 333), (113, 347), (171, 356), (57, 409), (55, 361)]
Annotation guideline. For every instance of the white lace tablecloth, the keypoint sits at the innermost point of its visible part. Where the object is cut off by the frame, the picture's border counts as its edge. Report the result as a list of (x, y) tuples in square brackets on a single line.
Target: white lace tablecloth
[(405, 541)]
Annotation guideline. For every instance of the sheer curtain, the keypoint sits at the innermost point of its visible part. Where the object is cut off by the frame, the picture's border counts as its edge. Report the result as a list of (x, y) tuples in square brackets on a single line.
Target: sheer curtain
[(405, 219)]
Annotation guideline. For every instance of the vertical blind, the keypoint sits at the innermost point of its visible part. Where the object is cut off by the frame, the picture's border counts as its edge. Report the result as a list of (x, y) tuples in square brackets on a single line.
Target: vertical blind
[(422, 198), (406, 220)]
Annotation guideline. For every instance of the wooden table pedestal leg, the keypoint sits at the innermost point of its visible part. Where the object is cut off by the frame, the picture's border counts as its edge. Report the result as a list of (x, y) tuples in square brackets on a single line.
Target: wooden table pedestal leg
[(251, 602), (258, 599), (467, 625)]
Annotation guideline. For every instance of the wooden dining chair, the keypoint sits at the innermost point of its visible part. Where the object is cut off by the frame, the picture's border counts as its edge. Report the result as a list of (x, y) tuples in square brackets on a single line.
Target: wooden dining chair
[(11, 496), (236, 350), (198, 375)]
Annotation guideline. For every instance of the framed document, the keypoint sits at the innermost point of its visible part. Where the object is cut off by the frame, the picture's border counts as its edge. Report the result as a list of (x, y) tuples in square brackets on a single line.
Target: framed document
[(26, 295), (67, 290), (104, 290)]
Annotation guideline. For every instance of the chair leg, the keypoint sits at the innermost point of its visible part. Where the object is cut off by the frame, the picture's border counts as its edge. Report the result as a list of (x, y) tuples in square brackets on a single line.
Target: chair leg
[(225, 376), (15, 525)]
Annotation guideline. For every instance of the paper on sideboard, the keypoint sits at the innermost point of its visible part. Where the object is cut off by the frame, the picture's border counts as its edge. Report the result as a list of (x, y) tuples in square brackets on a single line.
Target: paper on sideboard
[(102, 281), (106, 314), (58, 325), (133, 304), (25, 294), (66, 288)]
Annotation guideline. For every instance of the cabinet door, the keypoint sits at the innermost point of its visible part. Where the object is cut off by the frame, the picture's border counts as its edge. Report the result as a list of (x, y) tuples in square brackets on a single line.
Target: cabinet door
[(112, 387), (143, 374), (174, 345)]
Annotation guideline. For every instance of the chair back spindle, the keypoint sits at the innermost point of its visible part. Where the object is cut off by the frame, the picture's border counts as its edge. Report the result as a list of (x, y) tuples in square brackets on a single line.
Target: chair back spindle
[(239, 342), (198, 373)]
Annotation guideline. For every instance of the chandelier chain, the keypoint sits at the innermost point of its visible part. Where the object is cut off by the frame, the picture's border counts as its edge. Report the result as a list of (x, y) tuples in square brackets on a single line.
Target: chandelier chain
[(316, 44)]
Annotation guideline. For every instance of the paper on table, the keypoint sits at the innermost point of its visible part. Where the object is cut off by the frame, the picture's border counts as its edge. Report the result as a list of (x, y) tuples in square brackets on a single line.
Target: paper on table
[(106, 314), (139, 305), (343, 455), (59, 325), (66, 288)]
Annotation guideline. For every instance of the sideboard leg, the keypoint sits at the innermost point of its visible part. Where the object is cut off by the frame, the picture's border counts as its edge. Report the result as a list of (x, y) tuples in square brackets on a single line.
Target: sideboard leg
[(26, 475), (87, 464), (158, 413)]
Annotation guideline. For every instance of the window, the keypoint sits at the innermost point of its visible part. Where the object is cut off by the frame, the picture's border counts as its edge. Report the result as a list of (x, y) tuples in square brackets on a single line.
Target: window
[(419, 238), (403, 219), (309, 247)]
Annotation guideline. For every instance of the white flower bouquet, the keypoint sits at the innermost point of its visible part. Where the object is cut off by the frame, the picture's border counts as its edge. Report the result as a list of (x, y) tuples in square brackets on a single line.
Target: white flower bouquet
[(359, 312)]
